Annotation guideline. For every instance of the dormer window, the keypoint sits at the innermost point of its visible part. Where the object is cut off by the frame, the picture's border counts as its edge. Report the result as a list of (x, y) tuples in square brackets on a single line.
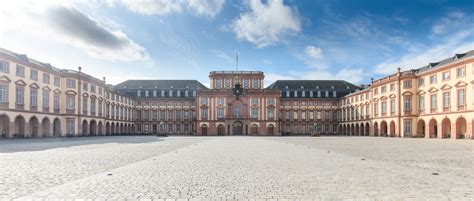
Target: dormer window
[(303, 94), (287, 93), (286, 87), (302, 87), (162, 93), (326, 94), (146, 93), (334, 94), (332, 87), (194, 93), (311, 94), (186, 93), (154, 93), (317, 87), (347, 87), (319, 94), (139, 93), (170, 92), (179, 93), (295, 94)]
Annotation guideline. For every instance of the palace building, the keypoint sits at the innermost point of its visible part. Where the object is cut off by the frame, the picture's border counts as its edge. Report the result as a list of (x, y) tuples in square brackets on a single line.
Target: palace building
[(39, 100)]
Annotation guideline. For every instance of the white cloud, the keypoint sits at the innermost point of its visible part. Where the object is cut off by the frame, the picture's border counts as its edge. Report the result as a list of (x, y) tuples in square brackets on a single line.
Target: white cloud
[(272, 77), (448, 22), (457, 43), (206, 7), (153, 7), (313, 51), (68, 26), (226, 57), (266, 24)]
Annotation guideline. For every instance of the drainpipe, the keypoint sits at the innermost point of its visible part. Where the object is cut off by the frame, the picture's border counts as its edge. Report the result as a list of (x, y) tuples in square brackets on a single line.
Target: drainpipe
[(399, 102), (79, 101)]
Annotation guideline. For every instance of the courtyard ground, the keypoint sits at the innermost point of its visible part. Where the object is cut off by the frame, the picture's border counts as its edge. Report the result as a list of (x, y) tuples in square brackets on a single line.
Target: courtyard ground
[(203, 168)]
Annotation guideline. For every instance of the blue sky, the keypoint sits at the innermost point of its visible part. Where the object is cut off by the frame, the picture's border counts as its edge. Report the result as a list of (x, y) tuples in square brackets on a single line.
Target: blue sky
[(350, 40)]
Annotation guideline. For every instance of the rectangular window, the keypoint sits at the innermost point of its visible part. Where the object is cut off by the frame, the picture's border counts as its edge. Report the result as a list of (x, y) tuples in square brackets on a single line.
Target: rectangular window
[(461, 72), (383, 89), (461, 97), (85, 86), (154, 115), (446, 75), (220, 101), (407, 101), (220, 113), (70, 126), (4, 66), (204, 113), (271, 101), (376, 91), (421, 82), (84, 105), (295, 115), (93, 88), (407, 128), (254, 101), (433, 101), (56, 101), (203, 101), (3, 93), (376, 109), (271, 113), (392, 87), (218, 84), (170, 115), (384, 107), (254, 113), (433, 79), (92, 105), (34, 97), (33, 74), (407, 84), (287, 116), (45, 99), (186, 115), (45, 78), (70, 102), (392, 106), (70, 83), (20, 71), (446, 100), (422, 103), (57, 81)]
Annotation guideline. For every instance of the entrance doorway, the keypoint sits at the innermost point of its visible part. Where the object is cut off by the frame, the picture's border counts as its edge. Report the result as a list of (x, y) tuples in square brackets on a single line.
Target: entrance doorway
[(237, 128)]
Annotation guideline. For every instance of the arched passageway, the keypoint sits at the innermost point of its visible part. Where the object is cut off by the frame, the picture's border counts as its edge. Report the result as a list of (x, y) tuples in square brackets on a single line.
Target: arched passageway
[(446, 128), (376, 129), (107, 128), (461, 128), (254, 129), (19, 126), (383, 128), (220, 130), (392, 129), (100, 129), (85, 129), (93, 128), (34, 127), (46, 127), (4, 126), (433, 128), (420, 128)]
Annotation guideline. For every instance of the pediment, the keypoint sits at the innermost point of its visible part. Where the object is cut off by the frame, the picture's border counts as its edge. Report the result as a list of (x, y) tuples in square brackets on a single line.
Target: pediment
[(392, 96), (383, 98), (444, 87), (433, 90), (460, 84), (34, 86), (20, 82), (407, 93), (100, 98), (71, 92), (85, 95), (376, 99), (57, 91), (421, 92), (46, 88), (5, 79), (93, 97)]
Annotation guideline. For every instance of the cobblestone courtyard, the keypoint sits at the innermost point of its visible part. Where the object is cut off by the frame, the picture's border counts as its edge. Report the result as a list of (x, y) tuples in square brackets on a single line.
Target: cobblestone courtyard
[(236, 168)]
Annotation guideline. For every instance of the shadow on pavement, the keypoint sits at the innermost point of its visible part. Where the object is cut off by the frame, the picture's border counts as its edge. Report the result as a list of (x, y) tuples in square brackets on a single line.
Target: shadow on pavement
[(38, 144)]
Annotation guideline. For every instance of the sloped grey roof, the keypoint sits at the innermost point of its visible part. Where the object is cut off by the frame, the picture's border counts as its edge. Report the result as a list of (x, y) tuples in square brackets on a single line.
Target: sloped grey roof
[(341, 88), (159, 88), (449, 60), (160, 84)]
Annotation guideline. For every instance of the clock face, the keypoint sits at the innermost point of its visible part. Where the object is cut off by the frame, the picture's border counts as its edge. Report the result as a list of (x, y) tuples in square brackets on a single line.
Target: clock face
[(237, 90)]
